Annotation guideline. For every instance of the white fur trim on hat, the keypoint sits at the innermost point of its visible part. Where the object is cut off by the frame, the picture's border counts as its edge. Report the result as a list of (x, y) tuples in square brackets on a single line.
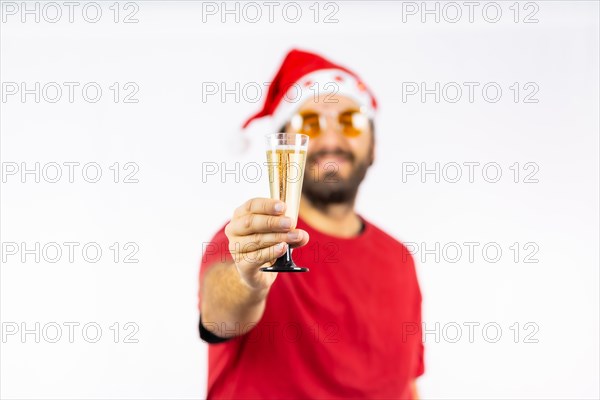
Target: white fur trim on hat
[(318, 83)]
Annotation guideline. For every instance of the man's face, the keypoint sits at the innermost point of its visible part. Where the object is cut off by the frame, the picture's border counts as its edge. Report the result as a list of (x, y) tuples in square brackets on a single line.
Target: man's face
[(336, 163)]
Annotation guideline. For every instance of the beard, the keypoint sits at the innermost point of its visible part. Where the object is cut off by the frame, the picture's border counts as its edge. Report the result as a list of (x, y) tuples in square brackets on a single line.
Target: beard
[(329, 187)]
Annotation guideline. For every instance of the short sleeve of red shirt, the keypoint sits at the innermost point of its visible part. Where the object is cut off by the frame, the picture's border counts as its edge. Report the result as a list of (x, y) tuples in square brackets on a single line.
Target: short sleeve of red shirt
[(421, 365)]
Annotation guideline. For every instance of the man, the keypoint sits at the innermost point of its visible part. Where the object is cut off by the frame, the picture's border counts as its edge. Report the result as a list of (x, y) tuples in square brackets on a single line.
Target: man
[(349, 328)]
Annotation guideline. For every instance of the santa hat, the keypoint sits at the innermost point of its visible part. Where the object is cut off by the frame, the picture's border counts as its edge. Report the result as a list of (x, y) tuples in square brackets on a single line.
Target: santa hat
[(305, 75)]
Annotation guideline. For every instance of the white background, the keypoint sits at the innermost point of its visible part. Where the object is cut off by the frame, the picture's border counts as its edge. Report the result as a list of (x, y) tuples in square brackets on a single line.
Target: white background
[(171, 133)]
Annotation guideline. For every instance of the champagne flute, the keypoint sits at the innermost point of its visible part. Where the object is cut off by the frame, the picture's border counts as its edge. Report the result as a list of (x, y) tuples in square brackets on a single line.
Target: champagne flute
[(286, 159)]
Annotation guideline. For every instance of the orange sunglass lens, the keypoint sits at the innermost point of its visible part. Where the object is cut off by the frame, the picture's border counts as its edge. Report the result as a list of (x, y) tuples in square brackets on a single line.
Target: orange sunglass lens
[(352, 123), (311, 125)]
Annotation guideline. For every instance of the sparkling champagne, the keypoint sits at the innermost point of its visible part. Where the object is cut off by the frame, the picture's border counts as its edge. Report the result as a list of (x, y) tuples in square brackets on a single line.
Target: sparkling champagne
[(286, 173), (286, 156)]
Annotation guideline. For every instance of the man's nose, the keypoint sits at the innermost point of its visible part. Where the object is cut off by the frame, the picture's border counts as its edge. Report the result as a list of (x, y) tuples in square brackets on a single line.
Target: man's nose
[(331, 131)]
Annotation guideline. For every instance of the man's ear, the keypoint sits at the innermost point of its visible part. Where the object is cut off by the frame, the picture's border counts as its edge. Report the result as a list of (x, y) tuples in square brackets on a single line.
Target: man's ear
[(372, 155), (372, 150)]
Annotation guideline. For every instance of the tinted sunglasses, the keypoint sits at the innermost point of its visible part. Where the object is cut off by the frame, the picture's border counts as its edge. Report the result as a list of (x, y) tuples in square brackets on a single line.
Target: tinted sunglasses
[(351, 122)]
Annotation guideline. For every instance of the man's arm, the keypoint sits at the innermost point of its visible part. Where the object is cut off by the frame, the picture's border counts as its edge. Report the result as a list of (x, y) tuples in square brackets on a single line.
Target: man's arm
[(414, 391), (233, 294), (229, 306)]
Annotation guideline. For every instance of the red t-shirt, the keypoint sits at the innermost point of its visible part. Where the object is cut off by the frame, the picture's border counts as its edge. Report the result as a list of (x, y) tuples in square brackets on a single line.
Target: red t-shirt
[(348, 328)]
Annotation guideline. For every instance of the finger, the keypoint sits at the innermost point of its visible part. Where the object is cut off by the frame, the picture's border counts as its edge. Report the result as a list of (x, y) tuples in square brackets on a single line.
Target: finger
[(302, 241), (251, 261), (260, 205), (244, 244), (258, 223)]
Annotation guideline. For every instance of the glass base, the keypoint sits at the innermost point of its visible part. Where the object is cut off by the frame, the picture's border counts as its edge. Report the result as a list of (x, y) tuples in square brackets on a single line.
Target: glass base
[(284, 264), (284, 269)]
